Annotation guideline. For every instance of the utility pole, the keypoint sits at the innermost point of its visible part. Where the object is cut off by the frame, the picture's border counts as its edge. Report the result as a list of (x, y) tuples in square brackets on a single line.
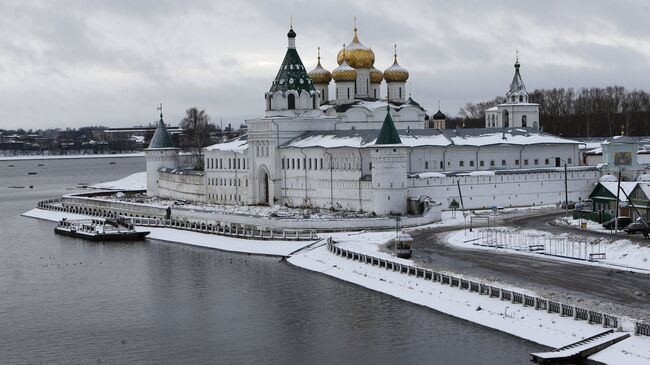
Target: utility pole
[(566, 192), (618, 190)]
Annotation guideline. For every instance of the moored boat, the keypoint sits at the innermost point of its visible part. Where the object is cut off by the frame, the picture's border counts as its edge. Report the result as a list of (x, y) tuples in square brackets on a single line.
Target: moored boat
[(99, 230)]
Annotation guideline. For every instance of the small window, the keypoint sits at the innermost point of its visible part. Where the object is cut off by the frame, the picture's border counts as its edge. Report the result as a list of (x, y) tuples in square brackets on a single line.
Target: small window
[(462, 163), (482, 163), (442, 165), (492, 163), (546, 161), (569, 160), (526, 162), (426, 164), (516, 162), (524, 121), (536, 162), (471, 163)]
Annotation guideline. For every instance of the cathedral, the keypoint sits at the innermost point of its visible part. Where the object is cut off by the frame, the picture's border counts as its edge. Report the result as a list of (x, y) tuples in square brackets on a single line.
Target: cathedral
[(368, 146)]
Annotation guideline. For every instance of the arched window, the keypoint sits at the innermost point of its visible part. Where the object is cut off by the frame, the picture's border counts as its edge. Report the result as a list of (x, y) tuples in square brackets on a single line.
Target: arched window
[(400, 92), (313, 102), (524, 121), (494, 123), (506, 119), (268, 103), (521, 98), (291, 102), (348, 93)]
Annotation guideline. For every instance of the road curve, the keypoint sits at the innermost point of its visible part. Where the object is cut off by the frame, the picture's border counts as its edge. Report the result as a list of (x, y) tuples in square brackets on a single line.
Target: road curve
[(604, 285)]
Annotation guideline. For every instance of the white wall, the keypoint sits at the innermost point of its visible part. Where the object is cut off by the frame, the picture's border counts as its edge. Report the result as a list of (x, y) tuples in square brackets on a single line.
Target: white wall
[(506, 190)]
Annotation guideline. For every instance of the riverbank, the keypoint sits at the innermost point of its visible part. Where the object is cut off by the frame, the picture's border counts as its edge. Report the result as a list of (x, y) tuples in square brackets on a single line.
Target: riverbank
[(519, 320), (524, 322), (69, 157), (223, 243)]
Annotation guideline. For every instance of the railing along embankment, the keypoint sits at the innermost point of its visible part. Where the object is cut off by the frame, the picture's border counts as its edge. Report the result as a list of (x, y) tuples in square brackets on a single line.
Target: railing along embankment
[(564, 310), (201, 226)]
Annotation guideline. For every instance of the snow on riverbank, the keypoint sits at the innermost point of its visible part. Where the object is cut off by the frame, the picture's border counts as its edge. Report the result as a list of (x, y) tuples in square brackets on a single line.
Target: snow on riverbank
[(66, 157), (260, 247), (137, 181), (525, 322), (619, 252)]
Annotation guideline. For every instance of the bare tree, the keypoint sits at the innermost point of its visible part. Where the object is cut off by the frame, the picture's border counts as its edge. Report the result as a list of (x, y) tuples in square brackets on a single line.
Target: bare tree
[(197, 125)]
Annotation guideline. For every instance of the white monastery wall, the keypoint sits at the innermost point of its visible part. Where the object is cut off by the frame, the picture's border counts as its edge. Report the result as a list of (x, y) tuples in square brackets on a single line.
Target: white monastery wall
[(506, 190)]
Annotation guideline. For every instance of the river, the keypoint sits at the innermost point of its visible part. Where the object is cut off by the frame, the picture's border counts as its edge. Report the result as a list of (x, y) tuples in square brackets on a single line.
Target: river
[(68, 301)]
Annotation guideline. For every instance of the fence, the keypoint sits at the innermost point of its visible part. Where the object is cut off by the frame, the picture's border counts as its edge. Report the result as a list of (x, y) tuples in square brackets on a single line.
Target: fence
[(265, 233), (549, 306), (598, 217), (556, 246)]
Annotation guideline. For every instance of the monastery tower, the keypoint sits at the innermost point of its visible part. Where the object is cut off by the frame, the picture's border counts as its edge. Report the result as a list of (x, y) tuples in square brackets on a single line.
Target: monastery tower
[(389, 170), (160, 153)]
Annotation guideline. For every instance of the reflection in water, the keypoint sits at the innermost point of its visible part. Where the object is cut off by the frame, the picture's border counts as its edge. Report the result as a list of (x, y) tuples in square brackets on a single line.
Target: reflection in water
[(68, 301)]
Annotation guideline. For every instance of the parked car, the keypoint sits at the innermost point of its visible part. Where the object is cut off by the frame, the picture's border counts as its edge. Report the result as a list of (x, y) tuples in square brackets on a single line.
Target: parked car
[(637, 227), (563, 205), (622, 223)]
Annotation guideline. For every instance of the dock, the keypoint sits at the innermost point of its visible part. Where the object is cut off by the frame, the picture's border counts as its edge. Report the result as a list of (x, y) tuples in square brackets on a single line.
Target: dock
[(581, 349)]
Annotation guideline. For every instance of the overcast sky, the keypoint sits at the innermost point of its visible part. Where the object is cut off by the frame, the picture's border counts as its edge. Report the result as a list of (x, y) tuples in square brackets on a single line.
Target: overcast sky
[(69, 63)]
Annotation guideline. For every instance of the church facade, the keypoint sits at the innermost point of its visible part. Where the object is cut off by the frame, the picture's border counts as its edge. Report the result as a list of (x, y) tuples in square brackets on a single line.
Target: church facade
[(362, 151)]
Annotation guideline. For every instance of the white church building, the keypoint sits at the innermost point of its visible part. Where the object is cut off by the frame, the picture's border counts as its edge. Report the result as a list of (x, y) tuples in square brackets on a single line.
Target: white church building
[(363, 151)]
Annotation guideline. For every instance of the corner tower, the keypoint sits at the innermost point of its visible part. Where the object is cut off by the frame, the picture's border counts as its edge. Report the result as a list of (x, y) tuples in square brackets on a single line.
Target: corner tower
[(160, 153), (389, 169)]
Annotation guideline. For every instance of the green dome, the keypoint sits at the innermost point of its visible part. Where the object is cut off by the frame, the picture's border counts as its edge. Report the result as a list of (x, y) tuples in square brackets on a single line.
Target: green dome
[(161, 138)]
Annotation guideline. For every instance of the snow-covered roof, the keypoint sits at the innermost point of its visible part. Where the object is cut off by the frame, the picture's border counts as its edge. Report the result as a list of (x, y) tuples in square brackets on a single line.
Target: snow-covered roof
[(429, 137), (332, 139), (238, 145), (372, 105), (626, 186), (645, 187)]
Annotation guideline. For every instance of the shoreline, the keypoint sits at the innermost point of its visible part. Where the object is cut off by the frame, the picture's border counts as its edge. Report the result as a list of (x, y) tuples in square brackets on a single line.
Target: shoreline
[(68, 157), (523, 322)]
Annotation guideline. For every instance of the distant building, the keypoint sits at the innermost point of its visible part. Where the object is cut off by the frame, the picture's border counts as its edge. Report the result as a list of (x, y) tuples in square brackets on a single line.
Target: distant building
[(516, 112)]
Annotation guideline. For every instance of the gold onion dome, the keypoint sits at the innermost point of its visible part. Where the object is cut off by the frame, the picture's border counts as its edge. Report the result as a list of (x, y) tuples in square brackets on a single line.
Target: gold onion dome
[(376, 76), (356, 54), (319, 75), (396, 72), (344, 72)]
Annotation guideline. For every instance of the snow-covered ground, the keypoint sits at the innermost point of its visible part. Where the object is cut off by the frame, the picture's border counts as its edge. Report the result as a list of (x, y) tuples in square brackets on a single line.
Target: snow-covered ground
[(137, 181), (64, 157), (260, 247), (575, 223), (619, 252), (525, 322), (456, 219)]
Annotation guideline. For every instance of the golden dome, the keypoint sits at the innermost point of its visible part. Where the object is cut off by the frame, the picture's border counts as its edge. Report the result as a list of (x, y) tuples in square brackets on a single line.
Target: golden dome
[(357, 55), (376, 76), (396, 72), (344, 72), (319, 75)]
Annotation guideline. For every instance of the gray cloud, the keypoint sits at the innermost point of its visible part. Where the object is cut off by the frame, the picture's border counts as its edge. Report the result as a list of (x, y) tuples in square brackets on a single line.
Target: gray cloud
[(73, 62)]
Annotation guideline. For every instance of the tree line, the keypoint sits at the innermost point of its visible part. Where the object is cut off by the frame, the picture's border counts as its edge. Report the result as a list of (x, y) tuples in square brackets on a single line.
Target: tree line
[(587, 112)]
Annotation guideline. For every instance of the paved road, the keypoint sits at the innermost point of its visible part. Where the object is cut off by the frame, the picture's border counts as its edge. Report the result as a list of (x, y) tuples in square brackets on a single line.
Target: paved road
[(578, 280)]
